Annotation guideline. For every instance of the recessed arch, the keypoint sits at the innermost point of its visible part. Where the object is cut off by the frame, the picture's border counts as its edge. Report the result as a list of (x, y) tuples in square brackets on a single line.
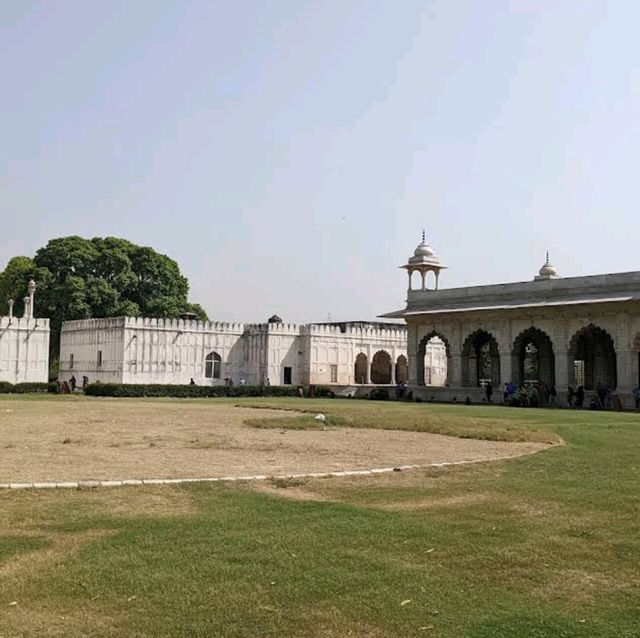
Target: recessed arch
[(361, 369), (213, 366), (480, 360), (402, 369), (433, 360), (592, 359), (381, 368), (533, 358)]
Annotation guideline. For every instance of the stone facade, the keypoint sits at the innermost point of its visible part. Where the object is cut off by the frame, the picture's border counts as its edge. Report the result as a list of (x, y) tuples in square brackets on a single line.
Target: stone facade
[(24, 345), (174, 351), (556, 331)]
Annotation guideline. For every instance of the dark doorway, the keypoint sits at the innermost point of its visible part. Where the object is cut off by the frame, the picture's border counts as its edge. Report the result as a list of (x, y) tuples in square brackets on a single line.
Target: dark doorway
[(480, 360), (287, 375), (533, 358), (592, 355)]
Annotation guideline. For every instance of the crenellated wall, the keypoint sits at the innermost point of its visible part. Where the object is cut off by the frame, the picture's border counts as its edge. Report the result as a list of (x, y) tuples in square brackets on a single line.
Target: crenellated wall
[(147, 350), (24, 350)]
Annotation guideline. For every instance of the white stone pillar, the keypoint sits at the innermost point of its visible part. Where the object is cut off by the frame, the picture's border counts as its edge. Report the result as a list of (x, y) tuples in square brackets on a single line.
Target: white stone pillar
[(455, 361), (562, 370), (624, 371), (506, 371), (423, 277), (412, 354)]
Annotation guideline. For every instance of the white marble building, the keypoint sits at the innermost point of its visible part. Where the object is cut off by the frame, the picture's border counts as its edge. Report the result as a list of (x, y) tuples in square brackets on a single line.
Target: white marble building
[(174, 351), (24, 344), (555, 332)]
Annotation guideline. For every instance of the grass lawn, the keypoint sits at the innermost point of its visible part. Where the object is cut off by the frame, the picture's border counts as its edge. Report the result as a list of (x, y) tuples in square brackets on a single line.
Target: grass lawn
[(546, 545)]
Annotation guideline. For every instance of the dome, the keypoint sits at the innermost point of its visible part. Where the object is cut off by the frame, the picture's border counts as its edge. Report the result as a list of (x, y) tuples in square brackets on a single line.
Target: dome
[(424, 254), (547, 271)]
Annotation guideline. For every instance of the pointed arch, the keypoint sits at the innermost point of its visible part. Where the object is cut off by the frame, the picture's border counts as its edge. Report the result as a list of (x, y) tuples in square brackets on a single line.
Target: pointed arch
[(361, 369), (381, 368), (434, 359), (213, 366), (480, 360), (402, 369), (592, 358), (533, 358)]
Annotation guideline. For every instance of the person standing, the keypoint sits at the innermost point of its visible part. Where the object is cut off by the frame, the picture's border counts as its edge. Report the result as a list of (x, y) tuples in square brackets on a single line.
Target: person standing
[(73, 383), (489, 391), (580, 396), (553, 397), (636, 396)]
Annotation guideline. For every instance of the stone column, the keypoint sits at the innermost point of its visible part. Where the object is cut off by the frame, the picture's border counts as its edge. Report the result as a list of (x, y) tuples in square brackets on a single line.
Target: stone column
[(393, 372), (562, 369), (624, 372), (412, 354), (455, 361), (506, 371), (368, 379)]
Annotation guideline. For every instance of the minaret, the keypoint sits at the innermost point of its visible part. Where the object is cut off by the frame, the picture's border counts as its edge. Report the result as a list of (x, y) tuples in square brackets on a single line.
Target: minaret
[(31, 287), (10, 302)]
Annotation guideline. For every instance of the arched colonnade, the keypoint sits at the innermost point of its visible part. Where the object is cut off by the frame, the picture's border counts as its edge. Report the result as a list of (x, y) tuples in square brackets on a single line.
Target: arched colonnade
[(380, 369), (588, 358)]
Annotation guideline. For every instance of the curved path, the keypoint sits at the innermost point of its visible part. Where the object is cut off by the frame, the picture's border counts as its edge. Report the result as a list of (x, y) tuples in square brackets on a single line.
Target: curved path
[(111, 443)]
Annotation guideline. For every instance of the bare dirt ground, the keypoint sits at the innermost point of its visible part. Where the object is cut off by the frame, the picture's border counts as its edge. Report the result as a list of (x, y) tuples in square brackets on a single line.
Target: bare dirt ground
[(100, 439)]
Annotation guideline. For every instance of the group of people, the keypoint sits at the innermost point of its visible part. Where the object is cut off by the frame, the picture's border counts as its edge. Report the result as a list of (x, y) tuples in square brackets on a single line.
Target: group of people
[(545, 394), (72, 386)]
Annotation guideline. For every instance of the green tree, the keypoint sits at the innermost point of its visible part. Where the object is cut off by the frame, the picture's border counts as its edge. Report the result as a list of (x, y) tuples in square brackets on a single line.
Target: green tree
[(14, 280), (79, 278)]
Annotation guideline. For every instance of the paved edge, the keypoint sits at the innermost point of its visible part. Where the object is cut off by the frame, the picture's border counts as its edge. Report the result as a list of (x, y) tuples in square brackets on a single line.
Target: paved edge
[(41, 485)]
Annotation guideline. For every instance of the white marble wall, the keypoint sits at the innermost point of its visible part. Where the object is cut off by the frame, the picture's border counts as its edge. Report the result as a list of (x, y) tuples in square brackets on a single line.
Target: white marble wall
[(24, 350), (142, 350)]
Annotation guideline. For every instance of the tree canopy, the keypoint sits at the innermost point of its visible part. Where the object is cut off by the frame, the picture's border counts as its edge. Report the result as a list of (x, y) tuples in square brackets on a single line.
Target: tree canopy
[(80, 278)]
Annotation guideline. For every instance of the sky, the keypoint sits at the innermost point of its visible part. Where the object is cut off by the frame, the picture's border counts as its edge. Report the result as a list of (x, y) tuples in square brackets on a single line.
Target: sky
[(288, 153)]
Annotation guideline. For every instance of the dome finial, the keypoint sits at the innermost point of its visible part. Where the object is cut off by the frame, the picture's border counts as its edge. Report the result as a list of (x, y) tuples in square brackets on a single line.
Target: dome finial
[(424, 235), (547, 271)]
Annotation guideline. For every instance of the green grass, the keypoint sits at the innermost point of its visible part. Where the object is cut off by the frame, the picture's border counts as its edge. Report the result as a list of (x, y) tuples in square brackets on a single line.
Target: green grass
[(301, 422), (544, 546), (479, 422)]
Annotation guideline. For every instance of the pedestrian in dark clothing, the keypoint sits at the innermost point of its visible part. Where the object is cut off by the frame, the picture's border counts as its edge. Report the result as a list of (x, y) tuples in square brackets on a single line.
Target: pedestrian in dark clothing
[(489, 391), (72, 383), (601, 390), (571, 394), (85, 382), (580, 396), (553, 397)]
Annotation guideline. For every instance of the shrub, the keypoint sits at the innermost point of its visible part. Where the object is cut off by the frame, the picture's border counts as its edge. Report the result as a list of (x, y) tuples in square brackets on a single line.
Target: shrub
[(188, 391), (379, 394), (523, 398), (27, 388)]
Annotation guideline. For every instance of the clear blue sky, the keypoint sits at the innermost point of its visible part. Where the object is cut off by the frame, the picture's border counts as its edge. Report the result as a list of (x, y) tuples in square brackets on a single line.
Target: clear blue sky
[(288, 153)]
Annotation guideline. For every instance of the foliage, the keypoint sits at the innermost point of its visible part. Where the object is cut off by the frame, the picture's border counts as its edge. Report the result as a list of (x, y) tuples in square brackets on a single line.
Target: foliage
[(79, 278), (526, 397), (27, 388), (188, 391), (379, 394), (13, 283)]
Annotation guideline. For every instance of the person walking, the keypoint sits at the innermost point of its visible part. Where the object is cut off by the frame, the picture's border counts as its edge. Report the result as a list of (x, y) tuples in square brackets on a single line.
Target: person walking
[(489, 391), (636, 396), (73, 383)]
